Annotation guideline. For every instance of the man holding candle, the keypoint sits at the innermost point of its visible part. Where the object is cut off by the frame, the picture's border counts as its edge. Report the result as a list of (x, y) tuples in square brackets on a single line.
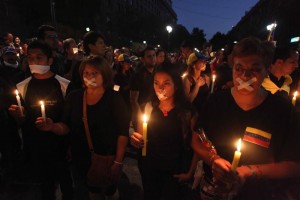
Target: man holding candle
[(46, 151), (269, 158)]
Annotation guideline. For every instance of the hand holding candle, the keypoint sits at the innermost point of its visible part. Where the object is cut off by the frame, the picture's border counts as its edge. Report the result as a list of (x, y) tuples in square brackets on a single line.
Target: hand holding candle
[(294, 98), (213, 83), (43, 110), (19, 101), (237, 155), (144, 150)]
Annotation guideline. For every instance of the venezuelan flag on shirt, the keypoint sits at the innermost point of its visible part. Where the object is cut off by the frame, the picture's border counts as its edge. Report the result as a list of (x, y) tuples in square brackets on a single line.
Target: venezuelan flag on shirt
[(257, 137)]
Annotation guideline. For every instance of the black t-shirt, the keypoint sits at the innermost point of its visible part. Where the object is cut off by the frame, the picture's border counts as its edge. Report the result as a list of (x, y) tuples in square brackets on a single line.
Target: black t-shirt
[(279, 83), (225, 122), (168, 146), (44, 145), (107, 119), (142, 81), (275, 80)]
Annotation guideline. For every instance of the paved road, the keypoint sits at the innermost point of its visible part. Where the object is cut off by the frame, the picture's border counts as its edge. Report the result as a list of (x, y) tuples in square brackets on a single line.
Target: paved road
[(130, 187)]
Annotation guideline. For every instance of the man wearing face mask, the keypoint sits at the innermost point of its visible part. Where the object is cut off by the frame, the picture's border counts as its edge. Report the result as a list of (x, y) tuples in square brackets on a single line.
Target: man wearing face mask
[(9, 66), (45, 150)]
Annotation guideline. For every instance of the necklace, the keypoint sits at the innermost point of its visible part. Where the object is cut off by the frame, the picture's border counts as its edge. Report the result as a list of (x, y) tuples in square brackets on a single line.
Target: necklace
[(165, 113)]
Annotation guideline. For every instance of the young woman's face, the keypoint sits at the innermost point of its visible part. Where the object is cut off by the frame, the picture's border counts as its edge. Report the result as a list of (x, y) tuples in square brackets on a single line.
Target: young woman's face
[(164, 86), (200, 65), (92, 77)]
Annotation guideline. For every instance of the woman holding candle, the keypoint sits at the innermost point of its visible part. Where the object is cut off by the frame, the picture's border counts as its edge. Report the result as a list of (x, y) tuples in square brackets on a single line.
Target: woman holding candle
[(108, 124), (269, 158), (196, 84), (167, 160)]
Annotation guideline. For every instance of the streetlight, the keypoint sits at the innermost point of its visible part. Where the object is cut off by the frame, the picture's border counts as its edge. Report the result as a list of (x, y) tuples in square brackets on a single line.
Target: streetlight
[(87, 29), (271, 29), (169, 29), (144, 42)]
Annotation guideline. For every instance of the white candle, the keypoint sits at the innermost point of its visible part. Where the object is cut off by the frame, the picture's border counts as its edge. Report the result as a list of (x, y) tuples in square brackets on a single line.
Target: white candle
[(213, 83), (43, 110), (144, 150), (237, 156), (294, 98), (19, 101)]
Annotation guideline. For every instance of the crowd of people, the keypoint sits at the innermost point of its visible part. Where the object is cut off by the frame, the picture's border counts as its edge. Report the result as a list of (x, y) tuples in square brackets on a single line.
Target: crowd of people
[(61, 102)]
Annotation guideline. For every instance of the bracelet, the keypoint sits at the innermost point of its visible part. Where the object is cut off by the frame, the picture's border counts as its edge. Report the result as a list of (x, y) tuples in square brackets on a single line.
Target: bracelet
[(213, 158), (119, 163)]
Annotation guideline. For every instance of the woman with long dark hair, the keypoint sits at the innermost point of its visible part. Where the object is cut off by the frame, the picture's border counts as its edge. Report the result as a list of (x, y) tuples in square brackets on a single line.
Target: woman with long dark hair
[(168, 156)]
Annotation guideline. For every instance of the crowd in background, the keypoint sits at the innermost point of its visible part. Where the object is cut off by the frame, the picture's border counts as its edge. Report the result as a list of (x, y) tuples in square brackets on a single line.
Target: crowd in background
[(190, 97)]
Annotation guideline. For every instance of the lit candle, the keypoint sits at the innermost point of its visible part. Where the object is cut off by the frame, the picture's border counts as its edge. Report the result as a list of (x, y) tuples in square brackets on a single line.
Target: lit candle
[(183, 75), (294, 98), (43, 110), (144, 135), (19, 101), (213, 83), (237, 155)]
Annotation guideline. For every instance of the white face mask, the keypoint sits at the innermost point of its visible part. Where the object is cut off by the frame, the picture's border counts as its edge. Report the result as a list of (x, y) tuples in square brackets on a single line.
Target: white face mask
[(161, 95), (11, 65), (39, 69), (91, 82), (246, 84)]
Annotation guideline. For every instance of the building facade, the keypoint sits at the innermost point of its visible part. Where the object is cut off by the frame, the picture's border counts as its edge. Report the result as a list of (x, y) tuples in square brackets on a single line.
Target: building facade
[(285, 13)]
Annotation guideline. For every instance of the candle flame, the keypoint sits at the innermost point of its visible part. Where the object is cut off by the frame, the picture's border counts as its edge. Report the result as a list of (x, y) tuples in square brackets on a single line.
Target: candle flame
[(17, 92), (295, 94), (145, 118), (184, 75), (239, 145), (42, 103), (214, 77)]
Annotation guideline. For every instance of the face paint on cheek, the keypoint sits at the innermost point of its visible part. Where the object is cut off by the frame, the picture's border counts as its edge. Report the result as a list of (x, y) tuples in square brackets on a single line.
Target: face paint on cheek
[(91, 82), (161, 95), (246, 84)]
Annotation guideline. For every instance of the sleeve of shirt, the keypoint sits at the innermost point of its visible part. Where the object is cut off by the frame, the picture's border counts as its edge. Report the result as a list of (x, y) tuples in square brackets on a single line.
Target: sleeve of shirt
[(121, 115)]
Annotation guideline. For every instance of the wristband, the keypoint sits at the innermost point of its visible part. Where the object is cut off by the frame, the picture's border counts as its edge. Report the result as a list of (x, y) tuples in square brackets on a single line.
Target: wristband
[(119, 163)]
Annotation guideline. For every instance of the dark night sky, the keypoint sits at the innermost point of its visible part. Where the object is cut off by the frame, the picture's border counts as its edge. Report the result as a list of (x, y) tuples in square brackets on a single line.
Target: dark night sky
[(211, 15)]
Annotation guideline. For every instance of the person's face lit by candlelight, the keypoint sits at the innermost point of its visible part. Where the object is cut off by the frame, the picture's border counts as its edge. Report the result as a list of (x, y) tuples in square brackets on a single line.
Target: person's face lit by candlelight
[(163, 86)]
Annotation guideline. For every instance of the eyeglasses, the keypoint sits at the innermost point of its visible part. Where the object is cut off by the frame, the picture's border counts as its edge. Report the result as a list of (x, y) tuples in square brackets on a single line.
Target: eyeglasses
[(252, 71)]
